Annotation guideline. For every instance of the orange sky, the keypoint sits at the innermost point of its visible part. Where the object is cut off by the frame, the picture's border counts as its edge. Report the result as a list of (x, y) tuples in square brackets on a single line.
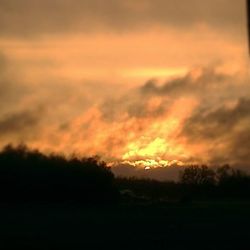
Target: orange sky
[(147, 83)]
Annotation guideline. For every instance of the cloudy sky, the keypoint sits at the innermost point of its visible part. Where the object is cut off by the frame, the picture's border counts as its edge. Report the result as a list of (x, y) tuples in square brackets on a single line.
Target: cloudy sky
[(142, 82)]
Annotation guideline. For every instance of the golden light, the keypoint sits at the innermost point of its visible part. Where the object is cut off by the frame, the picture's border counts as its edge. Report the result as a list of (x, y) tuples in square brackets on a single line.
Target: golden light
[(155, 72), (144, 149)]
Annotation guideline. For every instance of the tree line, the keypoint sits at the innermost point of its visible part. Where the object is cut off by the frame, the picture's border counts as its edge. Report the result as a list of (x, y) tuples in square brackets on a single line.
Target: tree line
[(29, 175), (196, 182)]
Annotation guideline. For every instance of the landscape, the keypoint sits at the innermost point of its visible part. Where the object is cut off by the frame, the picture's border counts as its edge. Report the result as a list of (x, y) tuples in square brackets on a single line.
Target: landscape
[(124, 124)]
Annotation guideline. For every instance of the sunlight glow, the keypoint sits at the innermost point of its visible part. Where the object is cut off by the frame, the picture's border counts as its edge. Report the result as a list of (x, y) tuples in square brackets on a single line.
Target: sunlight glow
[(155, 72), (148, 164), (157, 146)]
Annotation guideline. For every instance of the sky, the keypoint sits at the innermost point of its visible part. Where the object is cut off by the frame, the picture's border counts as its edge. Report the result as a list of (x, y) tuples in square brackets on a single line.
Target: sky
[(147, 85)]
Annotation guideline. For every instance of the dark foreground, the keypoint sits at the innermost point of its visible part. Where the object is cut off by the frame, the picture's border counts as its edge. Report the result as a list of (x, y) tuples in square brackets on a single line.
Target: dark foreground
[(218, 225)]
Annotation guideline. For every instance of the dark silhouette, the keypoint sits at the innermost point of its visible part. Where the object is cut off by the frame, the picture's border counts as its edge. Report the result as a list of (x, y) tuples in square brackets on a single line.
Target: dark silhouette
[(149, 190), (219, 183), (198, 176), (43, 206), (195, 183), (27, 175), (233, 183)]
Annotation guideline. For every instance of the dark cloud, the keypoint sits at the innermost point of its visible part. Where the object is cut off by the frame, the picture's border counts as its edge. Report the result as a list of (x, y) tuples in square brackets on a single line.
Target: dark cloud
[(225, 130), (12, 89), (194, 82), (64, 127), (19, 122), (134, 104), (35, 17), (240, 147), (204, 84), (3, 85), (216, 123)]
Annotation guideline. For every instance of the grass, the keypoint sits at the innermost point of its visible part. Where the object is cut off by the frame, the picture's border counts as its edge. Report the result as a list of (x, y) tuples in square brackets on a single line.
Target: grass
[(201, 225)]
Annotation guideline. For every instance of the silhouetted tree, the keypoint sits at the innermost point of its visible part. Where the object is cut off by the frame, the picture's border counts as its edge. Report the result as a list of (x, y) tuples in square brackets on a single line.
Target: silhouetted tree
[(30, 175), (223, 173), (233, 183), (198, 175), (197, 182)]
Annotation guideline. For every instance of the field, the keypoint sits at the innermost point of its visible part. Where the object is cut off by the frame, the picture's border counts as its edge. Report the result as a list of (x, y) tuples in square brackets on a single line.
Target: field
[(203, 225)]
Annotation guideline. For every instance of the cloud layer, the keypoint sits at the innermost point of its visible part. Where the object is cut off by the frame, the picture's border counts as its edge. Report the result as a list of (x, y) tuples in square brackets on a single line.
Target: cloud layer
[(141, 83), (202, 116), (34, 17)]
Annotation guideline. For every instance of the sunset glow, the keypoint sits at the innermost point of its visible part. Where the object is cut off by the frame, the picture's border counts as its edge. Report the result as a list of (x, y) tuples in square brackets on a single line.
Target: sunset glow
[(127, 81)]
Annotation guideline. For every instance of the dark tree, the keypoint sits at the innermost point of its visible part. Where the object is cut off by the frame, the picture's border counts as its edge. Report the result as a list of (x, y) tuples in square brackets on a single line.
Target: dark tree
[(198, 175), (31, 175)]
